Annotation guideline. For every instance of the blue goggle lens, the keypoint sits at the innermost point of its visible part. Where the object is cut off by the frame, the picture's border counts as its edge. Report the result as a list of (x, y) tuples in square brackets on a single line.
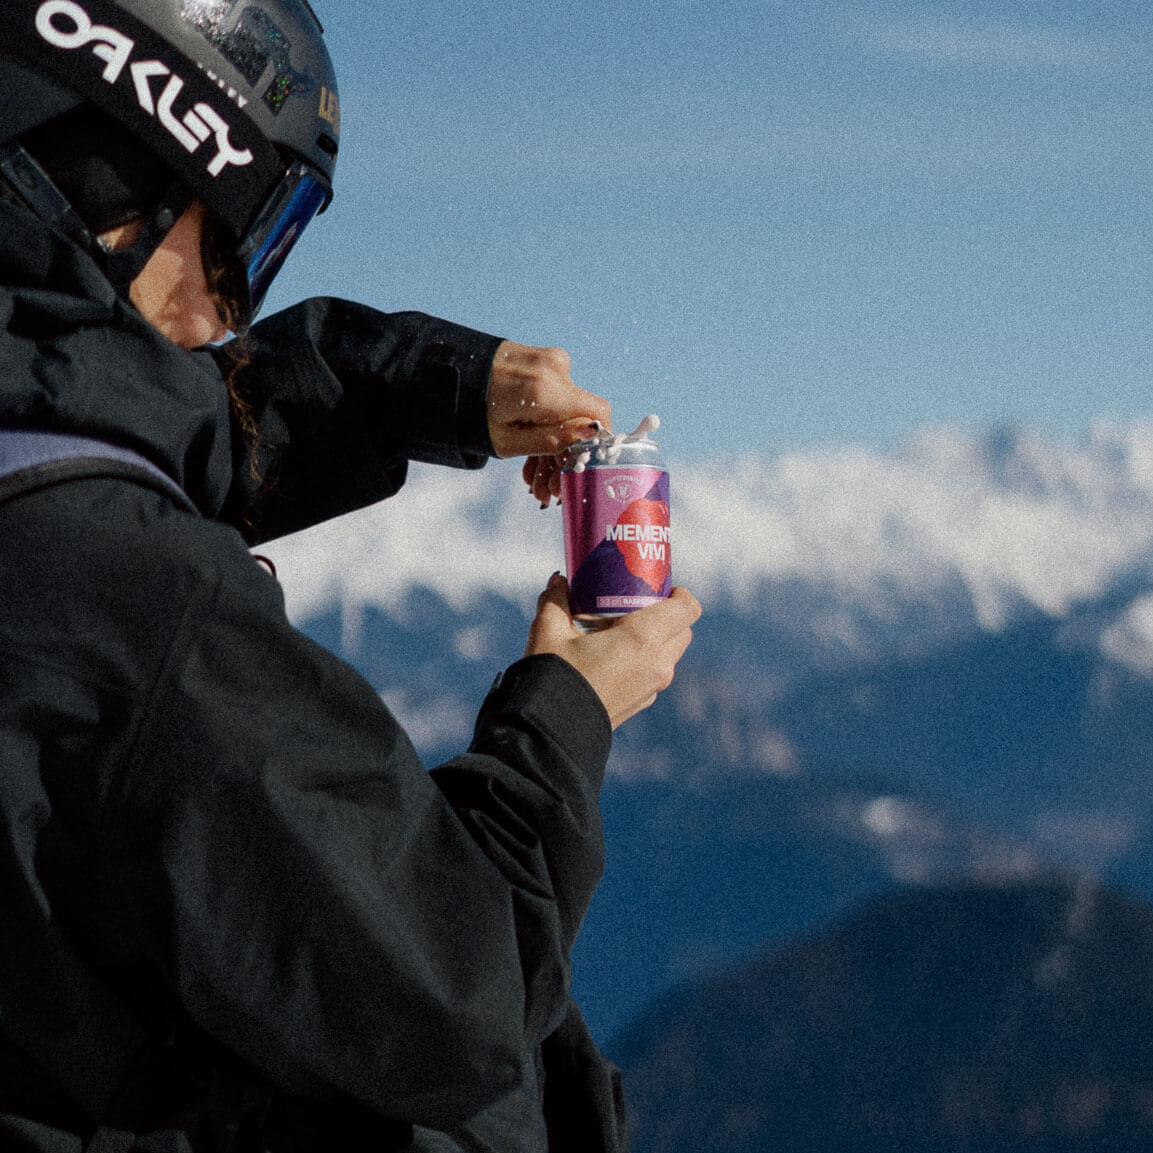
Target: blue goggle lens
[(287, 214)]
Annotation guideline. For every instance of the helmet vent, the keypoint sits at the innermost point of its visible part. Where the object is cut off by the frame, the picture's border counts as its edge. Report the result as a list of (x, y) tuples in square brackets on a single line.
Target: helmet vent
[(326, 144)]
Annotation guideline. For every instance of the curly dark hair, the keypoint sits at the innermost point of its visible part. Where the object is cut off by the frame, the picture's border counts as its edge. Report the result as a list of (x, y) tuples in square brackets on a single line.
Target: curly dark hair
[(229, 288)]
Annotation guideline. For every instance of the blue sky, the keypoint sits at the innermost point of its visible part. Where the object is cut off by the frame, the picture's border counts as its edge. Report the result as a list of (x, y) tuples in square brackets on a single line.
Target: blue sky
[(777, 225)]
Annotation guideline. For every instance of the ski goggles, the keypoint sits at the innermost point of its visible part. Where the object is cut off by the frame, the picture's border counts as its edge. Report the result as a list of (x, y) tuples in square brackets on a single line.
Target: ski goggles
[(297, 199)]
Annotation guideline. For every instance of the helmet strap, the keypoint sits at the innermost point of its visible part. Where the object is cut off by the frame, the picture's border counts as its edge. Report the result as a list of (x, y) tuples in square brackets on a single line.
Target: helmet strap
[(123, 265)]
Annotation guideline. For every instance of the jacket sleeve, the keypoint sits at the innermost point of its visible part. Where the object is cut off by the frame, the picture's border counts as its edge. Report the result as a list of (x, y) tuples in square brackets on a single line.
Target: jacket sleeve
[(343, 919), (341, 397)]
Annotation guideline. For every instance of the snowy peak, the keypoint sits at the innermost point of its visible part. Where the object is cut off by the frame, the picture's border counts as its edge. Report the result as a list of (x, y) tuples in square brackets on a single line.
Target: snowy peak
[(1013, 519)]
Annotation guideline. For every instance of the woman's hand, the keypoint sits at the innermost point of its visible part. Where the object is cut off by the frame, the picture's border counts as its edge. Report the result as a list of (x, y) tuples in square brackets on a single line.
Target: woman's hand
[(534, 408), (629, 663)]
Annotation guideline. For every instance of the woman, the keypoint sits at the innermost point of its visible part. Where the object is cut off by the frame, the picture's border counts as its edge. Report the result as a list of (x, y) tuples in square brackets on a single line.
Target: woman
[(239, 914)]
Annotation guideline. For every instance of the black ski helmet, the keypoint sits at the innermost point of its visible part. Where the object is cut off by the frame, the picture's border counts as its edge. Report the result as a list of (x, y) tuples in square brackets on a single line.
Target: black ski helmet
[(237, 98)]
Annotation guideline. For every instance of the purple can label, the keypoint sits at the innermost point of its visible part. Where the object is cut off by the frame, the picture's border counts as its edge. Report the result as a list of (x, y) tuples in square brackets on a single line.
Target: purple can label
[(617, 539)]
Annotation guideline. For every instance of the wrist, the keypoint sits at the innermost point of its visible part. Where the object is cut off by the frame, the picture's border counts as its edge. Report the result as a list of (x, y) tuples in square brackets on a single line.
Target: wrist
[(448, 411)]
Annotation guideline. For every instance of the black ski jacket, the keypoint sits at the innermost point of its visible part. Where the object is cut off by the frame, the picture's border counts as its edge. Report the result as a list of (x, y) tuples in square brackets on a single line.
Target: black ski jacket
[(237, 912)]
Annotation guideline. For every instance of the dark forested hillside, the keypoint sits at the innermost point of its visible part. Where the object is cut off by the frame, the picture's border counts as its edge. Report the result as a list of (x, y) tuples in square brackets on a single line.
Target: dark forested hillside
[(1010, 1019)]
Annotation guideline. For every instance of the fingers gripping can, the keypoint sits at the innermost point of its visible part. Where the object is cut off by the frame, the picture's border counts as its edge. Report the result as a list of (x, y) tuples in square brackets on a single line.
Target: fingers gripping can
[(618, 549)]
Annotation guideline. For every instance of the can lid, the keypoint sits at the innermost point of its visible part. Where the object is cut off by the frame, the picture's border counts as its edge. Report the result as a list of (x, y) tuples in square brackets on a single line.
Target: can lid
[(608, 450)]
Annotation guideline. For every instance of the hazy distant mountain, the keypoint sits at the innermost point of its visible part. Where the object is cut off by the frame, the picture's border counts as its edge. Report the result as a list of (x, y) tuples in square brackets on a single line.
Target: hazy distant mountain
[(733, 818), (999, 1020), (974, 582), (998, 756), (913, 667), (701, 874)]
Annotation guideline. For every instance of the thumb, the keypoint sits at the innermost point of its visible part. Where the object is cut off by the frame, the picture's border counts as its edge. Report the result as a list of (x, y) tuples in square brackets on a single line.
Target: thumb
[(553, 616), (555, 596), (581, 428)]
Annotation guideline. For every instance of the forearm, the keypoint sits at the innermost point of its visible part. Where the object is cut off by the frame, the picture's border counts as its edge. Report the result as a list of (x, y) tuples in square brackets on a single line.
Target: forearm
[(528, 791), (343, 396)]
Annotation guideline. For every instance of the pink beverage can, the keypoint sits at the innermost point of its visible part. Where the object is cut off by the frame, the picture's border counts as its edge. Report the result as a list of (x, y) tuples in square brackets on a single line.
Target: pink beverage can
[(615, 497)]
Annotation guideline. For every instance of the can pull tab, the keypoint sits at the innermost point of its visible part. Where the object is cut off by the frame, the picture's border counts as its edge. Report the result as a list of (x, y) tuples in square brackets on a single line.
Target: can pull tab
[(607, 449)]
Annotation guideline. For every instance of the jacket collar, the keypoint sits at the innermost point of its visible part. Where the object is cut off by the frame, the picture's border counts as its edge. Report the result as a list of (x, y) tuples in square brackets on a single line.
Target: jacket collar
[(75, 358)]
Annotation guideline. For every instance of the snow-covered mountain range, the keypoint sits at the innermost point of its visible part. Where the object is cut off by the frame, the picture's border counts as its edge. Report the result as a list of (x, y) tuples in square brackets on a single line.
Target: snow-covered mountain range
[(853, 550)]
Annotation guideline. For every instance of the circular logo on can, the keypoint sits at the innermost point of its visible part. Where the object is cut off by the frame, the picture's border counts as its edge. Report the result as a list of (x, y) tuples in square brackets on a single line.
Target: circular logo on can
[(642, 538), (621, 487)]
